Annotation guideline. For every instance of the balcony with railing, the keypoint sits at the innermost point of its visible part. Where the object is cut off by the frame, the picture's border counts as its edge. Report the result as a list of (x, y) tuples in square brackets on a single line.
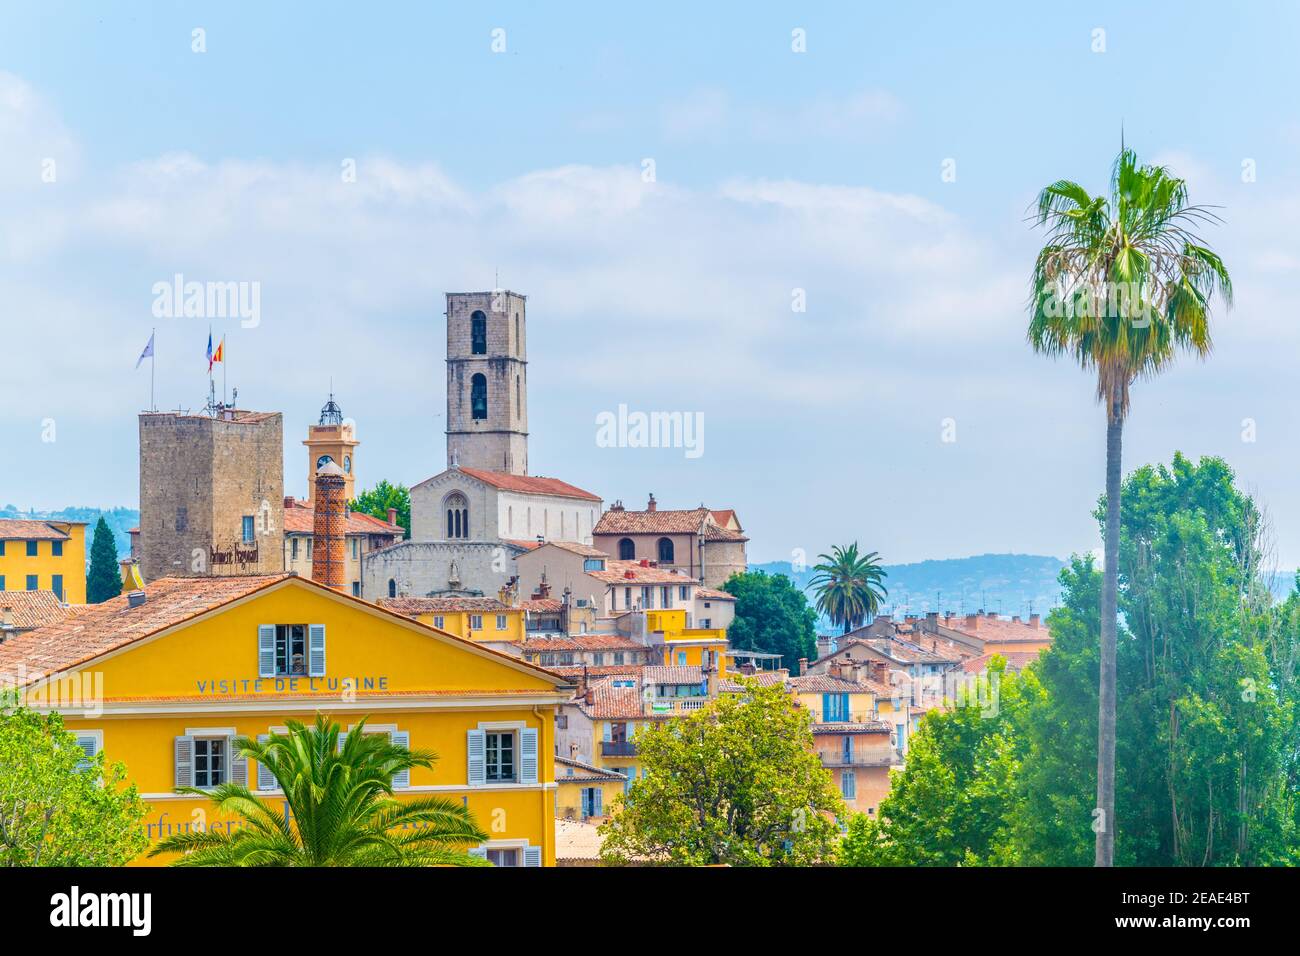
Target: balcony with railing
[(675, 705), (875, 757), (617, 748)]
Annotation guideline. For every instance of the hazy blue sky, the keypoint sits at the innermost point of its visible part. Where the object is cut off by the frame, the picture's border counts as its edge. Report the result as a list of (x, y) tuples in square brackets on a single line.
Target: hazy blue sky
[(774, 171)]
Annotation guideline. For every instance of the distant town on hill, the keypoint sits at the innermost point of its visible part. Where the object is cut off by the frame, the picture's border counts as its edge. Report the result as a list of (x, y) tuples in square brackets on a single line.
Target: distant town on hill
[(1010, 584), (119, 520)]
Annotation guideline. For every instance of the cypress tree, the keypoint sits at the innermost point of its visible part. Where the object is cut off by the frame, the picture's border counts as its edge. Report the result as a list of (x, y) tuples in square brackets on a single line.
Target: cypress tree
[(105, 578)]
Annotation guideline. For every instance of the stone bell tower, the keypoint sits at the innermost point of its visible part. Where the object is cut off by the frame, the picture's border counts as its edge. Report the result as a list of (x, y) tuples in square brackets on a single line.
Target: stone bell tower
[(487, 381)]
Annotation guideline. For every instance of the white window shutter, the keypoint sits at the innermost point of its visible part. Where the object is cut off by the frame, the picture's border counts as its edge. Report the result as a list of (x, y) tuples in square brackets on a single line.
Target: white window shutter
[(476, 744), (266, 650), (184, 753), (265, 779), (343, 739), (401, 738), (532, 856), (316, 650), (238, 764), (528, 755), (89, 745), (596, 798)]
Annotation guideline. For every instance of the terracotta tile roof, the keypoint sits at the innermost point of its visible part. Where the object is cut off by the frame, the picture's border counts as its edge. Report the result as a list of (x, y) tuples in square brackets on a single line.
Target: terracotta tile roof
[(732, 683), (577, 547), (588, 772), (613, 703), (526, 545), (25, 529), (633, 573), (542, 605), (411, 606), (530, 484), (30, 609), (825, 684), (990, 628), (713, 594), (595, 670), (1016, 661), (672, 674), (725, 517), (577, 840), (100, 628), (713, 533), (300, 519), (581, 642), (661, 521)]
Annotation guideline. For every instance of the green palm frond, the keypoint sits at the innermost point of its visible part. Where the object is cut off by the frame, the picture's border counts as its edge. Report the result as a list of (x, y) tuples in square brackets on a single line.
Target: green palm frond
[(341, 808), (1124, 282), (849, 586)]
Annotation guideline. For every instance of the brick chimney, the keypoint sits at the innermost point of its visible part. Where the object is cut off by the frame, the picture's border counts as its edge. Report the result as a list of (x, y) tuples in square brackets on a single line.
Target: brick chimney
[(616, 506), (803, 666), (652, 505), (392, 516), (1034, 620), (328, 529), (972, 621)]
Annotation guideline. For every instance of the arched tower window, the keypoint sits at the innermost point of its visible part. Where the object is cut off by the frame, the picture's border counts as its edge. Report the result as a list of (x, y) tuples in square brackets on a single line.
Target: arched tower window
[(457, 515), (478, 333), (626, 550), (665, 550), (392, 588), (478, 395)]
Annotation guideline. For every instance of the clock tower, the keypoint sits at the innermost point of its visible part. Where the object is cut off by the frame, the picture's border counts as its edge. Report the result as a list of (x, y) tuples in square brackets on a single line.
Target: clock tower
[(331, 441)]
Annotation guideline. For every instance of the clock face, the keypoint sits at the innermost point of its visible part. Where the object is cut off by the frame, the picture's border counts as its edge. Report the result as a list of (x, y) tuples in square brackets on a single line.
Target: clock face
[(323, 460), (347, 463)]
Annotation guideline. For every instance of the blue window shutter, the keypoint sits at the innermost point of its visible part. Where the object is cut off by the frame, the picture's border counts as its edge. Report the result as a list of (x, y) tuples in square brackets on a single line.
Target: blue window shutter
[(826, 707), (266, 650), (596, 796), (606, 734), (184, 752), (528, 755), (343, 739), (89, 745), (238, 764), (532, 856), (476, 745), (401, 738), (316, 650), (265, 779)]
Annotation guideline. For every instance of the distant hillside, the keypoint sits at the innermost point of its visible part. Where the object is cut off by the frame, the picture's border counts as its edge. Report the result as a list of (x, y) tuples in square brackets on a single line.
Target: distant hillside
[(1007, 583), (119, 519)]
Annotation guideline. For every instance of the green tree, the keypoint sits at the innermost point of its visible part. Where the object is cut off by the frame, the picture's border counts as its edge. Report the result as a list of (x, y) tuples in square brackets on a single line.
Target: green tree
[(341, 808), (56, 807), (736, 782), (377, 500), (849, 586), (772, 616), (1207, 733), (957, 800), (104, 579), (1122, 284)]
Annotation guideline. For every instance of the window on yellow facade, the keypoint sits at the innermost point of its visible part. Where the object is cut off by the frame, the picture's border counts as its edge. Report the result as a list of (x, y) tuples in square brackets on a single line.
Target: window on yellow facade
[(501, 622), (31, 582), (31, 549), (56, 548)]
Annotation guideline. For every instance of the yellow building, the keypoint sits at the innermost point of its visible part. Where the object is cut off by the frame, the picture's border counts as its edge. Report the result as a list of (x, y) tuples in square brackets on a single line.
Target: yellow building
[(584, 791), (166, 683), (688, 646), (44, 556), (474, 619)]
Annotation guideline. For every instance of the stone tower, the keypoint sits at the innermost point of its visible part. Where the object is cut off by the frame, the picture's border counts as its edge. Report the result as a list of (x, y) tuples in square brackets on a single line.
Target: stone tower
[(329, 527), (487, 381), (211, 493), (331, 440)]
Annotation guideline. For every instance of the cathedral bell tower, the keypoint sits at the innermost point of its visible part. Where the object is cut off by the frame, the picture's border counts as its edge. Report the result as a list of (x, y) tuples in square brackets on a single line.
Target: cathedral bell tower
[(487, 381)]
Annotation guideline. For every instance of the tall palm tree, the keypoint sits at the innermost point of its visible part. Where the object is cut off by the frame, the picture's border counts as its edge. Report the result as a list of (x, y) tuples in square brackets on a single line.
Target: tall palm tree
[(341, 809), (1122, 285), (849, 586)]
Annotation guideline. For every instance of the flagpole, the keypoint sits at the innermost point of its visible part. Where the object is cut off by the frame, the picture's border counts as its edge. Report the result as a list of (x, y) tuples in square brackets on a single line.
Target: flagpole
[(223, 370), (153, 362)]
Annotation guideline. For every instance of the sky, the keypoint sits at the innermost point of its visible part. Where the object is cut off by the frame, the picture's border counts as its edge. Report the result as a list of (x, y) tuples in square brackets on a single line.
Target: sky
[(822, 253)]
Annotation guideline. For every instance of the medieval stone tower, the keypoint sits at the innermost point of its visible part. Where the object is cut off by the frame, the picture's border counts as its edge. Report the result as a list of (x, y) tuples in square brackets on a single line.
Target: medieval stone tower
[(487, 381)]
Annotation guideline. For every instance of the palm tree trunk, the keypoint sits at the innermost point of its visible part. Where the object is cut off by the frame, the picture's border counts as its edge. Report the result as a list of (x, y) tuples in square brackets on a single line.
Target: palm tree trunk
[(1105, 825)]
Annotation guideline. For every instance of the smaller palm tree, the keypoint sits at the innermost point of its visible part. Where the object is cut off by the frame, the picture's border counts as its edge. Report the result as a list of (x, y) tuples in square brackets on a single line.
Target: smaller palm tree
[(340, 808), (849, 586)]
